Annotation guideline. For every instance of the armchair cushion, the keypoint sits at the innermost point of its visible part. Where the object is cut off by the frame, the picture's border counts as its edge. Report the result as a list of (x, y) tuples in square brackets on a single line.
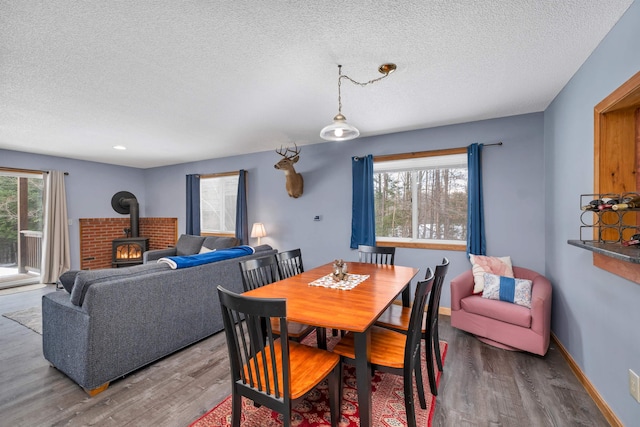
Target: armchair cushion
[(489, 264), (498, 310), (508, 289)]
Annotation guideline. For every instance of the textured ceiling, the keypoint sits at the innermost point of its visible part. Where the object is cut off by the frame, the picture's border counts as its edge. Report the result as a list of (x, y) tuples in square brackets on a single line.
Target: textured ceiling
[(183, 81)]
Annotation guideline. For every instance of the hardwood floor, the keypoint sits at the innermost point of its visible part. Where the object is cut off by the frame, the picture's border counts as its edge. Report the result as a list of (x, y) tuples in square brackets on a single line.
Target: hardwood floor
[(481, 385)]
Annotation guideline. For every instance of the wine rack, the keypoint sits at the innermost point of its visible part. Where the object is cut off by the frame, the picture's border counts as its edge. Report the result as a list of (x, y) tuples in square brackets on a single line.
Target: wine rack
[(607, 225)]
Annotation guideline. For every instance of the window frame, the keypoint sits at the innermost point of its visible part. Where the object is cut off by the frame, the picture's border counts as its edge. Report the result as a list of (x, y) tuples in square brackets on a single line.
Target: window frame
[(209, 176), (390, 241)]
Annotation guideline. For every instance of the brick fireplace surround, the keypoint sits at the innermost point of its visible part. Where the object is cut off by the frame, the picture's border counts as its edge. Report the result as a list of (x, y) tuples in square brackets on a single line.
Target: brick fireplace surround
[(96, 235)]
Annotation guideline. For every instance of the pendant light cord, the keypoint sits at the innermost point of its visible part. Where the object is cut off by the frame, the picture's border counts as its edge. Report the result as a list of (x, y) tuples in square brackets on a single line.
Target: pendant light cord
[(344, 76)]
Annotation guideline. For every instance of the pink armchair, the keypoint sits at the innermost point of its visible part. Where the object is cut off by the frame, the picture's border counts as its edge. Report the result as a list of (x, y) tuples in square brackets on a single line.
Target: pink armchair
[(503, 324)]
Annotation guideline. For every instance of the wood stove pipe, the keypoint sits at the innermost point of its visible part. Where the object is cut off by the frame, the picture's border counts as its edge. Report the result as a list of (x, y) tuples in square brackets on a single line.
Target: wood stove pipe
[(124, 202)]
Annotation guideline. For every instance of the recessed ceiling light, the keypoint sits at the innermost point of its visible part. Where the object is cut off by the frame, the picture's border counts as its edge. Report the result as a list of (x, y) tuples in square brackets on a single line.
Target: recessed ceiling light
[(119, 147)]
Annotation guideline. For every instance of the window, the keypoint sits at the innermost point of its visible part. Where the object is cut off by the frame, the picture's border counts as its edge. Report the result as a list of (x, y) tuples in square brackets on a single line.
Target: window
[(421, 198), (218, 194)]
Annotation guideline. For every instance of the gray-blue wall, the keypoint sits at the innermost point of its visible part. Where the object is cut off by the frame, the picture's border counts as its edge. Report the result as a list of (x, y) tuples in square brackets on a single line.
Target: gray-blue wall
[(595, 313), (513, 180)]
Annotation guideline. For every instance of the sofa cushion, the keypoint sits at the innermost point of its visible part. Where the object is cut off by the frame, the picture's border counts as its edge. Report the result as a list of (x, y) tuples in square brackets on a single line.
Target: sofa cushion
[(489, 264), (508, 289), (498, 310), (86, 278), (67, 279), (218, 242), (188, 244)]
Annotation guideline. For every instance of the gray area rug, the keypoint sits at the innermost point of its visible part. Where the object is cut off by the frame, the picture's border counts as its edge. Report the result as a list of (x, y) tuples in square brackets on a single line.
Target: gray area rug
[(29, 317)]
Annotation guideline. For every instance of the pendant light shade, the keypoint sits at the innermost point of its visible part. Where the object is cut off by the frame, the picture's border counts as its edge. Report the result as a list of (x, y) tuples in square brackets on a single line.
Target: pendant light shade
[(339, 130)]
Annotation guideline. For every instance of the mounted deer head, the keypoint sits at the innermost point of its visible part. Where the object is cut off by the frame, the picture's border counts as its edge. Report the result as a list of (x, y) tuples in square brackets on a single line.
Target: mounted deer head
[(294, 181)]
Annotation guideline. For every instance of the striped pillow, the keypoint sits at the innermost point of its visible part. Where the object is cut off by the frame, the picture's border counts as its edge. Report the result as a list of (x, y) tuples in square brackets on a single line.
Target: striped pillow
[(509, 289)]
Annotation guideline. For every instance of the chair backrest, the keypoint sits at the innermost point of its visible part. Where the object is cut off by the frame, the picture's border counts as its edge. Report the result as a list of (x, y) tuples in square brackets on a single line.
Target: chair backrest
[(290, 263), (434, 297), (252, 346), (414, 332), (376, 254), (259, 272)]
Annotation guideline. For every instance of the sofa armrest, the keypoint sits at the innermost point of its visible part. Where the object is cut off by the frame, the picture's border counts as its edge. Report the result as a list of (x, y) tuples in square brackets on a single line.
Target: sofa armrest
[(156, 254), (461, 287)]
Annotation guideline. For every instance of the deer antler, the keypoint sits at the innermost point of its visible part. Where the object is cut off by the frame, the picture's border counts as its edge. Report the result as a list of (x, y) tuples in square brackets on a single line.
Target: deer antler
[(295, 152)]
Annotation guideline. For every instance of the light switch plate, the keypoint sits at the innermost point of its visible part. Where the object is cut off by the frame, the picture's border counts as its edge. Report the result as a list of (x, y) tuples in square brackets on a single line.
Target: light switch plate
[(634, 385)]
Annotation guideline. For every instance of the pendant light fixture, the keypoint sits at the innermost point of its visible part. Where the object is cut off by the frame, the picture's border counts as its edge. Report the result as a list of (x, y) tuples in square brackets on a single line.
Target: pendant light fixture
[(340, 130)]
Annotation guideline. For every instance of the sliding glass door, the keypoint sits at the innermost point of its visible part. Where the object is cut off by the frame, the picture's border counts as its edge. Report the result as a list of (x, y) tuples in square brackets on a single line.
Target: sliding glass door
[(21, 221)]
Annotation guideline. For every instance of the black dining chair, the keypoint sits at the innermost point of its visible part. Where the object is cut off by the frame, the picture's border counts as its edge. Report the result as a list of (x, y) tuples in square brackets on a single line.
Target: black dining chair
[(376, 254), (262, 271), (398, 319), (290, 263), (383, 255), (397, 353), (273, 372)]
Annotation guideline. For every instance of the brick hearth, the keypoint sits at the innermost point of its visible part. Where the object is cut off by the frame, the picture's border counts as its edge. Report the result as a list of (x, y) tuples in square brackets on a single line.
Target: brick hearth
[(96, 235)]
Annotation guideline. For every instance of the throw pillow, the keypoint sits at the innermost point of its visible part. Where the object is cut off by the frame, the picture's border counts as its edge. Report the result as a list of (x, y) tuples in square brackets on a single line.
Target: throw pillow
[(488, 264), (67, 279), (509, 289), (204, 250), (188, 244), (217, 242)]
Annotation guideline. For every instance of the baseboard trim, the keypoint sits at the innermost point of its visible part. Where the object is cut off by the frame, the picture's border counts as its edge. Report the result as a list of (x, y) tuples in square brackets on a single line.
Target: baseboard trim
[(609, 415)]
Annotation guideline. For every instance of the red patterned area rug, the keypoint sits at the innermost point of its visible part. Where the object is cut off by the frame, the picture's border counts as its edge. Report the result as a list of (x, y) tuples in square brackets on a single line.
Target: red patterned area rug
[(313, 409)]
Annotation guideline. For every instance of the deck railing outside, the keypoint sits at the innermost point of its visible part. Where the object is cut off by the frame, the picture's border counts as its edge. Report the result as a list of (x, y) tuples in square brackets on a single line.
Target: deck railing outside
[(30, 256), (8, 250)]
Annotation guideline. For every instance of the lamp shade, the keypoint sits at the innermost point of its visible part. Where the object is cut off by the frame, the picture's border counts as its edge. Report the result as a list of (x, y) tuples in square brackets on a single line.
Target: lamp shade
[(258, 230), (339, 130)]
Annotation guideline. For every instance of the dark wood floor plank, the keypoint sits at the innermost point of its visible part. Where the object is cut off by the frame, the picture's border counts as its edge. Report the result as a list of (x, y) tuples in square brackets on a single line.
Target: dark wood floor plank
[(481, 385)]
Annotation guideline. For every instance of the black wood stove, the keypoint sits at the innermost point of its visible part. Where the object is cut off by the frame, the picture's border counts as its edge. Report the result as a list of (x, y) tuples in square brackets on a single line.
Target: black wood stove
[(128, 250)]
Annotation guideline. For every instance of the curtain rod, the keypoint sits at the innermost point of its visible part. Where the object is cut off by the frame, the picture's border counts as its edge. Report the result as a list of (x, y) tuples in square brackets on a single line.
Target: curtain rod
[(495, 143), (25, 170)]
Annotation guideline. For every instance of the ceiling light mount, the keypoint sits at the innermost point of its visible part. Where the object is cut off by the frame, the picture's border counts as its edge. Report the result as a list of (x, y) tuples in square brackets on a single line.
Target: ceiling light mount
[(340, 130), (387, 68)]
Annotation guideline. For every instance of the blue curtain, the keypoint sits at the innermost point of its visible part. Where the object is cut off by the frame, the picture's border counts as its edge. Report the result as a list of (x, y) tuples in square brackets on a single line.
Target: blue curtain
[(242, 222), (363, 216), (193, 205), (476, 243)]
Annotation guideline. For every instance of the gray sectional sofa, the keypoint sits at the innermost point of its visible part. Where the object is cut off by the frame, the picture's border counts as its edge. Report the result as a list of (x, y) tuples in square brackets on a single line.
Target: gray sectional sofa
[(115, 321)]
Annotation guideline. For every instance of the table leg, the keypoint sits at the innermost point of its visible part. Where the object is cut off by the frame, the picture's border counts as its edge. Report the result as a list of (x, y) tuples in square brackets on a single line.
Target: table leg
[(363, 376), (406, 296)]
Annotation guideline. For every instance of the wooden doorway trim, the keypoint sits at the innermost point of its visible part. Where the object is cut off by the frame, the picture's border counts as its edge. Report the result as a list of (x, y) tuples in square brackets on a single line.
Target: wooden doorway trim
[(617, 157)]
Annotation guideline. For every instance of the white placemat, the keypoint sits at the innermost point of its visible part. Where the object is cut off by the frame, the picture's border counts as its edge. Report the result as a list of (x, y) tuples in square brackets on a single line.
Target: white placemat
[(349, 282)]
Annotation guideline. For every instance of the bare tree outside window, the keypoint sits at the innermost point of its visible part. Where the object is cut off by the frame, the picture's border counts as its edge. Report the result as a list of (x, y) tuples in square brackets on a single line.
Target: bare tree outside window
[(423, 202)]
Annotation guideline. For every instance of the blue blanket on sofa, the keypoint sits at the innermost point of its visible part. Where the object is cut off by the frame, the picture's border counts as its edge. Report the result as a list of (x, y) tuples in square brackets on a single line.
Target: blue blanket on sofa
[(218, 255)]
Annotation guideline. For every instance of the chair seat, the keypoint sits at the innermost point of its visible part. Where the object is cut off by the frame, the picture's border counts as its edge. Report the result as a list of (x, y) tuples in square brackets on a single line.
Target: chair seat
[(397, 317), (296, 330), (500, 310), (308, 366), (387, 347)]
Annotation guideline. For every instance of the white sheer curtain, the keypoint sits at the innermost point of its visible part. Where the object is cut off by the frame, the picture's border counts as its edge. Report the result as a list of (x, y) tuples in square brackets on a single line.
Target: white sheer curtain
[(56, 256)]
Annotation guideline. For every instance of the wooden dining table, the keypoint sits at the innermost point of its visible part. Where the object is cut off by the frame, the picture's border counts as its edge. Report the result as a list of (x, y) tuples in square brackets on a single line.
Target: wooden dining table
[(354, 310)]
